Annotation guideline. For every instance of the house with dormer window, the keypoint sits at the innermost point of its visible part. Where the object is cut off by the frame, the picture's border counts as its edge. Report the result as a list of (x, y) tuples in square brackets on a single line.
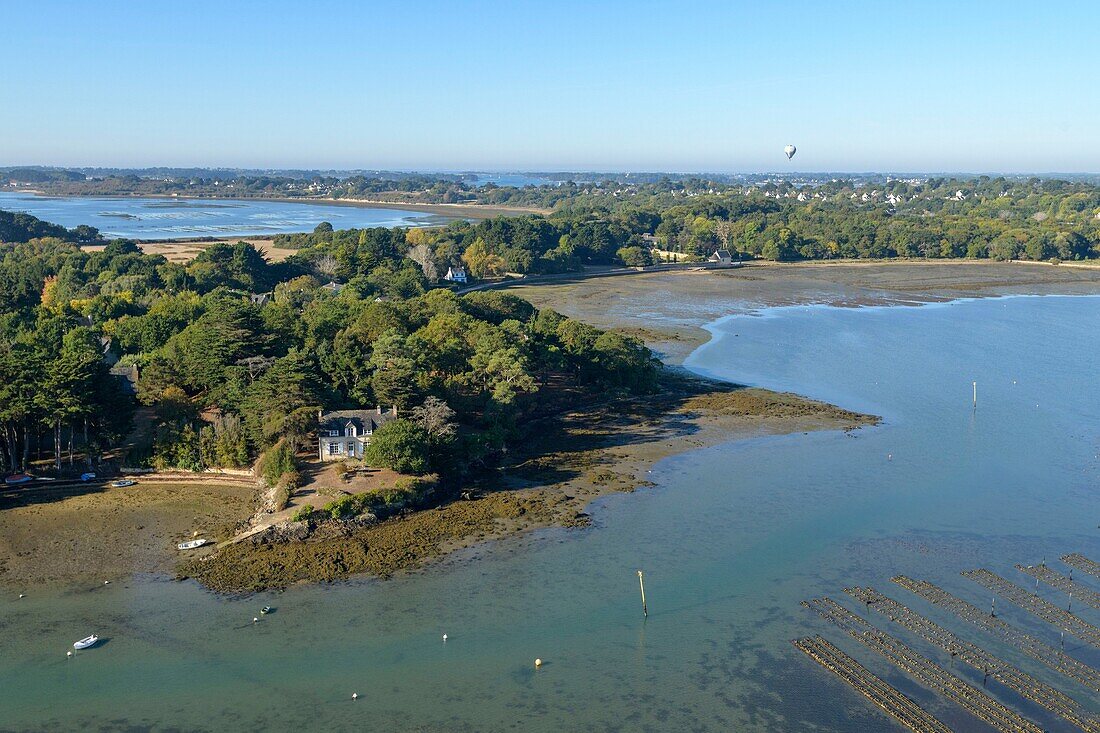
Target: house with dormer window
[(344, 434), (456, 274)]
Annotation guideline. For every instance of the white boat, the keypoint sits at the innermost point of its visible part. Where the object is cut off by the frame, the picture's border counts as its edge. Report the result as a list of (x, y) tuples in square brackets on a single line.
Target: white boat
[(191, 545), (86, 642), (122, 484)]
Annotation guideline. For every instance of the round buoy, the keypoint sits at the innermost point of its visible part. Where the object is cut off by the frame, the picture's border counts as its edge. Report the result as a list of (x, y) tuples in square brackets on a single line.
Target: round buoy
[(22, 595), (444, 637), (68, 654), (355, 696), (254, 619), (106, 582), (538, 662)]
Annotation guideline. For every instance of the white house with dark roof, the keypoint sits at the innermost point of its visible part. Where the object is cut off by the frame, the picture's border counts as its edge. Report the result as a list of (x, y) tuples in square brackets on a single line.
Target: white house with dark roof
[(455, 274), (346, 434)]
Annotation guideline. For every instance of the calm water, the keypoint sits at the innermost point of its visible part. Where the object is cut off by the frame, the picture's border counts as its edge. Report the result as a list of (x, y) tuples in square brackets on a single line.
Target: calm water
[(518, 180), (731, 538), (170, 218)]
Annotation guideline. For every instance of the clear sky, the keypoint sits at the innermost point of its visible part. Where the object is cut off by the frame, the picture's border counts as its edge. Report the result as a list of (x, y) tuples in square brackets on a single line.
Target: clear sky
[(1008, 86)]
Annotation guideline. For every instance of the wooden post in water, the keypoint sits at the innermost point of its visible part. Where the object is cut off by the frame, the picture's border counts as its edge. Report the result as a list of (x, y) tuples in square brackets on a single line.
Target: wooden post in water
[(641, 585), (993, 608)]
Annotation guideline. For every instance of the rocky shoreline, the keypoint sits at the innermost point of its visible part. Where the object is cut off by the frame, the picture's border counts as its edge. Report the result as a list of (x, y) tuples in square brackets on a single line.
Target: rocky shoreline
[(584, 454)]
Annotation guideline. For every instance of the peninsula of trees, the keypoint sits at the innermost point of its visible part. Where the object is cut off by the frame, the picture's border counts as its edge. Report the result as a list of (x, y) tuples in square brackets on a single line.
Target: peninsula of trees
[(229, 358)]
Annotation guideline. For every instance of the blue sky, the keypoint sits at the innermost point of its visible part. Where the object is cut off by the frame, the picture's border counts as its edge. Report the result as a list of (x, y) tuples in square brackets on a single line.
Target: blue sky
[(682, 86)]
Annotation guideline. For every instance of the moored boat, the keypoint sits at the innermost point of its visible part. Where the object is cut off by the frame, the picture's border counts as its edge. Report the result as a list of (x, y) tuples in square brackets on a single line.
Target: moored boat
[(86, 643), (191, 545)]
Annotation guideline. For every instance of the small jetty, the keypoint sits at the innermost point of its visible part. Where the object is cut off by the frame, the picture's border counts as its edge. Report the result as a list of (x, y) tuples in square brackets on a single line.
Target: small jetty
[(981, 660), (1037, 606), (1063, 583), (1038, 650), (889, 699), (923, 670)]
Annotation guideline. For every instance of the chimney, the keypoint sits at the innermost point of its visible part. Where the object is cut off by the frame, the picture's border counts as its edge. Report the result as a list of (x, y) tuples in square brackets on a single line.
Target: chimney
[(379, 409), (393, 410)]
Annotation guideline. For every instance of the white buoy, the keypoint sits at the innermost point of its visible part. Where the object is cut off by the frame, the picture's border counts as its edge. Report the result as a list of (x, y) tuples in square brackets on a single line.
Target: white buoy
[(22, 595), (538, 663), (444, 637), (254, 619), (68, 654), (355, 696), (106, 582)]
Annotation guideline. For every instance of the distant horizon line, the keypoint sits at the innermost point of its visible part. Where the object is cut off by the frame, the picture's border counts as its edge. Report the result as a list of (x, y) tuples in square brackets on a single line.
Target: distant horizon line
[(552, 172)]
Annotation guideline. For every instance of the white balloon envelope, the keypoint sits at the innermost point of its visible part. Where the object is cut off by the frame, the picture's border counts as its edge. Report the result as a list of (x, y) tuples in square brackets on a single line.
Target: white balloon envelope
[(790, 150)]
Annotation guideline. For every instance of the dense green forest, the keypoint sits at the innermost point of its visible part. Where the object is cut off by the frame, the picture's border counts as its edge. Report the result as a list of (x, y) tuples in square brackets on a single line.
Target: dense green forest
[(933, 218), (223, 376), (603, 222), (18, 227)]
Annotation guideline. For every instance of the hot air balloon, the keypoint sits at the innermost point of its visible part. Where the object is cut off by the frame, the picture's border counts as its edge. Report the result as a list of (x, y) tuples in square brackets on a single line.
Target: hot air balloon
[(790, 150)]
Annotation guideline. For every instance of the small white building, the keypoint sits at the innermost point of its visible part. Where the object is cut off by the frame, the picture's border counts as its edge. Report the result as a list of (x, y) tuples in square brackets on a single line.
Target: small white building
[(346, 433), (721, 256), (455, 275)]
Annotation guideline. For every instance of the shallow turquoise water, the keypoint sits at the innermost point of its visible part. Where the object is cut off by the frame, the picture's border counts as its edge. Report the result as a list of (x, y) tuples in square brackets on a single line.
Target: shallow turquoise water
[(731, 538), (171, 218)]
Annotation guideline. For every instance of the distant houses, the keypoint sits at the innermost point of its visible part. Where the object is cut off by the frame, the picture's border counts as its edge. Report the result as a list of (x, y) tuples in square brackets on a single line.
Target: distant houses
[(346, 433), (456, 275), (721, 257), (333, 287)]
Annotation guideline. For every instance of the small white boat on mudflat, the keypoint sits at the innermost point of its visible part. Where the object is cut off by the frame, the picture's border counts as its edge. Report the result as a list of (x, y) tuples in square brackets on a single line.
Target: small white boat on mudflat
[(86, 643), (191, 545)]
